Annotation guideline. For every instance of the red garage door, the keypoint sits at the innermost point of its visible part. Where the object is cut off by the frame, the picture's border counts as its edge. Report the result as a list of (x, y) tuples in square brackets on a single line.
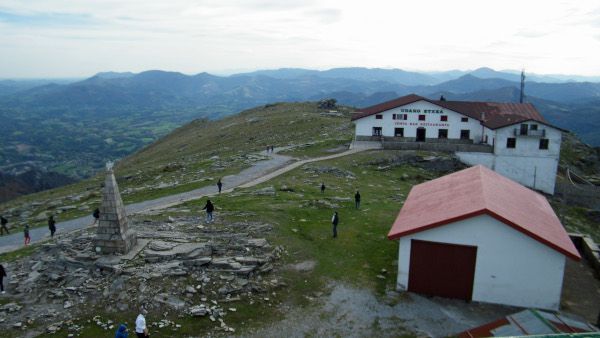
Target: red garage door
[(440, 269)]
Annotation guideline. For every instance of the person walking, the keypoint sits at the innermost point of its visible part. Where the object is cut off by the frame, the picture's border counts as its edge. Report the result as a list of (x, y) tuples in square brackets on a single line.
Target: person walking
[(357, 199), (122, 331), (209, 207), (2, 275), (96, 215), (52, 226), (3, 222), (141, 330), (26, 234), (219, 185), (322, 187), (334, 221)]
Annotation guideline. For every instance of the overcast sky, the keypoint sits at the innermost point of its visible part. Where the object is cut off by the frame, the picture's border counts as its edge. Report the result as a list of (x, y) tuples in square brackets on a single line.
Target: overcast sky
[(67, 38)]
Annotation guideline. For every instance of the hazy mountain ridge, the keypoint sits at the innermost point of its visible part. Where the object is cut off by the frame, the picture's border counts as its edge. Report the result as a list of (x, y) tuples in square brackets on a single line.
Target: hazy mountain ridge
[(74, 128)]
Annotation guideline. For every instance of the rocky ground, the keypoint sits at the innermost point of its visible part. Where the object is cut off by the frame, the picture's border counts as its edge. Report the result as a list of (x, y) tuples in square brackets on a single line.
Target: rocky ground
[(207, 266)]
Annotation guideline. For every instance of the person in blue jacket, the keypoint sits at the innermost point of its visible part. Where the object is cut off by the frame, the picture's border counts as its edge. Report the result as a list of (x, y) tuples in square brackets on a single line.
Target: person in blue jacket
[(121, 331)]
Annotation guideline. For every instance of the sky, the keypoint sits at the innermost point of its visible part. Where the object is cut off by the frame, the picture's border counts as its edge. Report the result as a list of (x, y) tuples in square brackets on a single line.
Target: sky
[(66, 38)]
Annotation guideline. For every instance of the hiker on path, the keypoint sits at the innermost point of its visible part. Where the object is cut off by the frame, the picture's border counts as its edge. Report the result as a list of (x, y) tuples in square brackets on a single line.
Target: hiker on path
[(2, 275), (96, 215), (141, 330), (357, 199), (272, 148), (26, 234), (209, 207), (52, 226), (219, 185), (322, 188), (334, 221), (3, 222)]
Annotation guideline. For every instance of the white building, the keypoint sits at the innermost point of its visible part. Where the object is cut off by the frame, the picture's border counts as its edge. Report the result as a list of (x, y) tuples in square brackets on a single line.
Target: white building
[(477, 235), (511, 138)]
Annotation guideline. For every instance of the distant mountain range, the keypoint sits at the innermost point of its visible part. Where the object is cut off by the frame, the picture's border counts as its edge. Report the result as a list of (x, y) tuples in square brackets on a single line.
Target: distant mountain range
[(73, 128)]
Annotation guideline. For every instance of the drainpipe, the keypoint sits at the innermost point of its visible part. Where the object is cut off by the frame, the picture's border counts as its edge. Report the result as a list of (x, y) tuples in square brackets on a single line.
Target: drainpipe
[(482, 126)]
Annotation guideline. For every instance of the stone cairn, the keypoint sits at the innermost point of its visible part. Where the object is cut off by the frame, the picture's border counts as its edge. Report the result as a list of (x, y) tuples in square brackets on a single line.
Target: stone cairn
[(113, 235)]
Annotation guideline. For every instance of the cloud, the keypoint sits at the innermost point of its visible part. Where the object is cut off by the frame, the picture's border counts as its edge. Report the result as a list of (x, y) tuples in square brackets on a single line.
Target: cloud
[(46, 19)]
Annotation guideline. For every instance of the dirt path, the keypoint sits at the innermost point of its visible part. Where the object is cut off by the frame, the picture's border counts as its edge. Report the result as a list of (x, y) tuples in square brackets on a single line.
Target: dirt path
[(352, 312), (260, 172)]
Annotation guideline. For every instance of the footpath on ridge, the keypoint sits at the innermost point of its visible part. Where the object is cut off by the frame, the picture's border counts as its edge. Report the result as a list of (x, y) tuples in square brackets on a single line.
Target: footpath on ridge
[(260, 172)]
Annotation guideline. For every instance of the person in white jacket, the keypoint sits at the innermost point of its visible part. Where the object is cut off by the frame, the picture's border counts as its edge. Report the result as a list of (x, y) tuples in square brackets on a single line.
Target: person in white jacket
[(140, 324)]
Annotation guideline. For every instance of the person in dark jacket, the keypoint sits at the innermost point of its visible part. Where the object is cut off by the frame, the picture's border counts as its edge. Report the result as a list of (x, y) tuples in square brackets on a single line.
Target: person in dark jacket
[(26, 234), (334, 221), (122, 331), (52, 226), (209, 207), (357, 199), (2, 275), (3, 222), (322, 188), (219, 185), (96, 215)]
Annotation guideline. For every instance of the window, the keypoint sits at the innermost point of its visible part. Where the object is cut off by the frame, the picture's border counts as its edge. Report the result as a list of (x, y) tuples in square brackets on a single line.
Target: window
[(464, 119), (444, 118), (544, 144), (378, 117), (400, 117), (376, 131), (511, 142), (465, 134), (421, 117), (399, 132), (533, 127), (442, 133)]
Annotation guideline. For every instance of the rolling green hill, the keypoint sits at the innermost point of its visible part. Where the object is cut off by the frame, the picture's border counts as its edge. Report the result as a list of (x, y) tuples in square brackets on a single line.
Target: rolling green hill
[(197, 154)]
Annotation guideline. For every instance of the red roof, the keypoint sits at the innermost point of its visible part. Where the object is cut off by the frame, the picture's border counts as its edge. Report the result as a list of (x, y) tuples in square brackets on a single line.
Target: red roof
[(477, 191), (492, 114)]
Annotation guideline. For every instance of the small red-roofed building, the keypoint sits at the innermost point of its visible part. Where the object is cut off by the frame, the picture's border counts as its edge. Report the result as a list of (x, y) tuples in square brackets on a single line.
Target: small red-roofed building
[(477, 235), (512, 139)]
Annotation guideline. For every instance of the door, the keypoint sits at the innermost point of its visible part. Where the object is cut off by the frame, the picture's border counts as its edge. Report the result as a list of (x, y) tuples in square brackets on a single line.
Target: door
[(524, 129), (420, 134), (465, 134), (442, 269)]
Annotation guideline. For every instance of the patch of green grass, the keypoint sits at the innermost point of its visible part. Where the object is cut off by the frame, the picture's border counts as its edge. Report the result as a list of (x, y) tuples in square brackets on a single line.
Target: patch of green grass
[(303, 220), (577, 219), (17, 254)]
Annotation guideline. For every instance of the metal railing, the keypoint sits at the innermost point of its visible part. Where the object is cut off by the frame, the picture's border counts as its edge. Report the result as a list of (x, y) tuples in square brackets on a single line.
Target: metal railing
[(530, 133)]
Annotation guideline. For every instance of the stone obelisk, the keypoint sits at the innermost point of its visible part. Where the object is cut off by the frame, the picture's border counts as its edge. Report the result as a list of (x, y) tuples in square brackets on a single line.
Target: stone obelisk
[(113, 235)]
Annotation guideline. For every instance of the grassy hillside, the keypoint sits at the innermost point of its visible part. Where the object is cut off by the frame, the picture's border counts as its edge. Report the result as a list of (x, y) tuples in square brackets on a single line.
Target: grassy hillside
[(196, 155)]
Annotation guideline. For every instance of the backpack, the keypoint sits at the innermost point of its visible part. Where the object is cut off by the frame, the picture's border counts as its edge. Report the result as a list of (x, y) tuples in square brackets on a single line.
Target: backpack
[(3, 220)]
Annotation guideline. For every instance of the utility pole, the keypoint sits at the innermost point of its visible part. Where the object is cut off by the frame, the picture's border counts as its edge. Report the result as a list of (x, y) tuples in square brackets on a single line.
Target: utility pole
[(522, 97)]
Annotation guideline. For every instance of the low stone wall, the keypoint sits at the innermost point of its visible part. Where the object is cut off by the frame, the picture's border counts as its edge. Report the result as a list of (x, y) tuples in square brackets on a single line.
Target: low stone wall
[(435, 146), (427, 140), (368, 138), (588, 248), (584, 195)]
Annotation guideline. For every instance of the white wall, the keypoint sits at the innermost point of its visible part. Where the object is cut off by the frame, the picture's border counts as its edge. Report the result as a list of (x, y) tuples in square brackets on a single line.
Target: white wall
[(532, 171), (431, 124), (527, 145), (511, 268)]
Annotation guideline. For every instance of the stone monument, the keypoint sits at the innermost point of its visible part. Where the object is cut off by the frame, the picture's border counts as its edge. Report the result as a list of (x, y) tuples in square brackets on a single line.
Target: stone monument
[(113, 235)]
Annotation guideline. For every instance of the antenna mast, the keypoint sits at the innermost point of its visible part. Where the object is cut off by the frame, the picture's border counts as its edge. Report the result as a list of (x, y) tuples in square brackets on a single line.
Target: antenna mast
[(522, 97)]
